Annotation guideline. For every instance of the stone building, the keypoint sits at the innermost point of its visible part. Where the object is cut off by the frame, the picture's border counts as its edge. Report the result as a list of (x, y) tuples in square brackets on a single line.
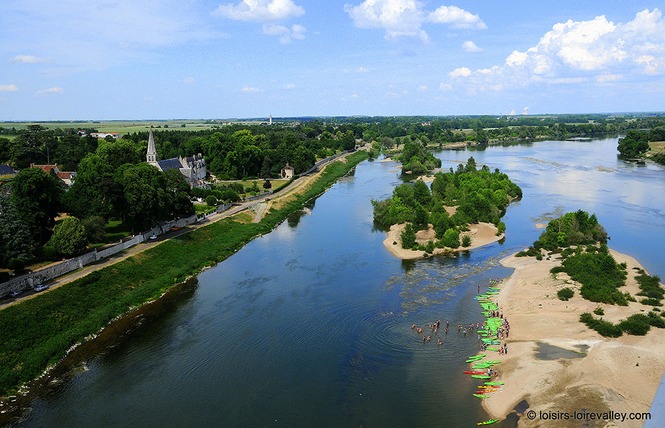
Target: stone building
[(193, 168)]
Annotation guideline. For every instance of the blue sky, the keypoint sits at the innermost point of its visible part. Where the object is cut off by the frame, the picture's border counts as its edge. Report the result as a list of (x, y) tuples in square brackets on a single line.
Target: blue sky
[(165, 59)]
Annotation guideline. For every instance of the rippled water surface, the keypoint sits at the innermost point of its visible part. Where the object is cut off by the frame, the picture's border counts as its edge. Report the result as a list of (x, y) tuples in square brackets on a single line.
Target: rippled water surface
[(311, 324)]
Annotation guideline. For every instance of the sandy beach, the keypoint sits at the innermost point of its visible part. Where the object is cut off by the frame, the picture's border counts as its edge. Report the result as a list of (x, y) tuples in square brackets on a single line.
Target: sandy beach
[(481, 234), (620, 375)]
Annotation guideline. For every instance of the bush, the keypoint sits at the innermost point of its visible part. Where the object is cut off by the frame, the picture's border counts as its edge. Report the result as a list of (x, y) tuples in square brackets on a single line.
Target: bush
[(466, 240), (604, 328), (211, 200), (637, 325), (651, 302), (656, 320), (17, 265), (599, 311), (565, 294)]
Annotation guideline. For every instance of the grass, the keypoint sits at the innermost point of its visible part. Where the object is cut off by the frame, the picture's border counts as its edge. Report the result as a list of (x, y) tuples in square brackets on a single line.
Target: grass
[(39, 331)]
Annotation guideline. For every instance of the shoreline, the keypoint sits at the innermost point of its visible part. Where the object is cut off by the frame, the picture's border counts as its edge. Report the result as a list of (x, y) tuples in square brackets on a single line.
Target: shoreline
[(614, 374), (481, 234), (242, 234)]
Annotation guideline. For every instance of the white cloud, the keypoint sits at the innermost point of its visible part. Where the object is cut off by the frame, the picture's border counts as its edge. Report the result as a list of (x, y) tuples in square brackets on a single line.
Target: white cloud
[(580, 52), (260, 10), (460, 72), (286, 35), (290, 86), (189, 81), (445, 87), (250, 90), (456, 17), (470, 47), (422, 88), (53, 90), (8, 88), (405, 18), (27, 59), (606, 78)]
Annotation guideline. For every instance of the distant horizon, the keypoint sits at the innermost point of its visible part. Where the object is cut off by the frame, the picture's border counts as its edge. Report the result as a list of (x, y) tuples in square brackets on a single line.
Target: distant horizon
[(281, 118)]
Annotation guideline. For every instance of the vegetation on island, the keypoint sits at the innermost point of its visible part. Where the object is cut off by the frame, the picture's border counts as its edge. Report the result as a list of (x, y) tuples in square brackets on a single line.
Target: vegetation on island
[(479, 195), (417, 159), (75, 311), (582, 244), (635, 144)]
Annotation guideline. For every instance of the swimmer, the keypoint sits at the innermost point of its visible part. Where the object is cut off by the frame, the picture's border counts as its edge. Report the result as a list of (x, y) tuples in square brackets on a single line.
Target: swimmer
[(413, 326)]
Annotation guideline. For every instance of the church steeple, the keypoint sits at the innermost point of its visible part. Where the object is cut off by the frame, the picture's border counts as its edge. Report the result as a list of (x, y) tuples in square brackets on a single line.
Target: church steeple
[(151, 155)]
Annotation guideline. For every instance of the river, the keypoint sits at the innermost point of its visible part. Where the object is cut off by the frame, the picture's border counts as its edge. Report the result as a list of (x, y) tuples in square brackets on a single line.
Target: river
[(310, 325)]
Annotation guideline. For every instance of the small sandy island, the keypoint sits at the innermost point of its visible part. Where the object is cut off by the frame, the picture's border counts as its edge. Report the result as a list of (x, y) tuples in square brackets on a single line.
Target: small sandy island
[(481, 234), (620, 375)]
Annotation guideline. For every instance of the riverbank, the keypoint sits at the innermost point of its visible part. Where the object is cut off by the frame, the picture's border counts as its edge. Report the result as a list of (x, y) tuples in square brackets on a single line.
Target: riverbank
[(38, 333), (481, 234), (601, 374)]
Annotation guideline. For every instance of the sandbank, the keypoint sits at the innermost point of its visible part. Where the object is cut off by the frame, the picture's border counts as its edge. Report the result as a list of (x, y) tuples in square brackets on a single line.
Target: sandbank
[(620, 374), (481, 234)]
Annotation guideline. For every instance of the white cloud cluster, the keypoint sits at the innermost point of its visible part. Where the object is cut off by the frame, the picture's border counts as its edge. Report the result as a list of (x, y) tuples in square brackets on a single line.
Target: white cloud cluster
[(470, 47), (405, 18), (8, 88), (580, 51), (456, 17), (53, 90), (260, 10), (250, 90), (27, 59), (286, 34)]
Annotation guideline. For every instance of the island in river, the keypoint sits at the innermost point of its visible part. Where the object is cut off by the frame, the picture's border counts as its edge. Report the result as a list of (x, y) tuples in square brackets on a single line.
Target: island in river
[(463, 208)]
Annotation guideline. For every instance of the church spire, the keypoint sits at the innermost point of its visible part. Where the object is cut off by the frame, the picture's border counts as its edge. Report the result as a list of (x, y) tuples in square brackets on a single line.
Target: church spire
[(151, 155)]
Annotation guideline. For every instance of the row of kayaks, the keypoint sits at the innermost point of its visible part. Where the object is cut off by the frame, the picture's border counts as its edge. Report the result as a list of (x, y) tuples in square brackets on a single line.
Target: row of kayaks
[(488, 336)]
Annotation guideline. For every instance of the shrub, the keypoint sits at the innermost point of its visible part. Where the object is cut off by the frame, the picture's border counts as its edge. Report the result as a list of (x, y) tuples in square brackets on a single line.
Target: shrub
[(651, 302), (466, 240), (17, 265), (211, 200), (565, 294), (637, 325), (604, 328), (656, 320), (599, 311)]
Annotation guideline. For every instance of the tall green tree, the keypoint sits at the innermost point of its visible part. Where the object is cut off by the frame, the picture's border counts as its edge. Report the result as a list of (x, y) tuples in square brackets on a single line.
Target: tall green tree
[(145, 196), (16, 241), (36, 196)]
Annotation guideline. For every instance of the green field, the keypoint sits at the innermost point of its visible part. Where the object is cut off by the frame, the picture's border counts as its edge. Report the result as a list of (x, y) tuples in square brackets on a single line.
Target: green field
[(127, 126)]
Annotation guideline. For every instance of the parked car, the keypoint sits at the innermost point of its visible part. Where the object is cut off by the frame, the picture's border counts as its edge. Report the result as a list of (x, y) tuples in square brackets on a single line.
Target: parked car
[(153, 236), (41, 287), (15, 293)]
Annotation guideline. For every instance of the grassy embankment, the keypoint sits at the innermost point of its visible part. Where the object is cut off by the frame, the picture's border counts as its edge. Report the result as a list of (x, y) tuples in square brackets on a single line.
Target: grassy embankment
[(39, 331)]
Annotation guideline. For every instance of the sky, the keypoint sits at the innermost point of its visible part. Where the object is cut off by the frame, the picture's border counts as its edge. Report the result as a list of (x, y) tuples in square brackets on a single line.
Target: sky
[(189, 59)]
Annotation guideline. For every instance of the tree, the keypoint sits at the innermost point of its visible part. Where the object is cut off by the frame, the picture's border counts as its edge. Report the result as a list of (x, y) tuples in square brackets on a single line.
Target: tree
[(145, 195), (36, 196), (32, 146), (69, 237), (408, 236), (95, 191), (15, 239), (94, 228), (178, 191)]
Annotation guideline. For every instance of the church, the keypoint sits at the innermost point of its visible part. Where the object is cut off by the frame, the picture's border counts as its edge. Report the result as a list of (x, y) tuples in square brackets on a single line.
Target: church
[(192, 168)]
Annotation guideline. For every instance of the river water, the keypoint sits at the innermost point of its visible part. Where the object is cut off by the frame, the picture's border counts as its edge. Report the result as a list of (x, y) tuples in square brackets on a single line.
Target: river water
[(311, 324)]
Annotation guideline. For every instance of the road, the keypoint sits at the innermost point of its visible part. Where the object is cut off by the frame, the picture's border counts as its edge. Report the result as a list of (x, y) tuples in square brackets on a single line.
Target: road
[(80, 273)]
